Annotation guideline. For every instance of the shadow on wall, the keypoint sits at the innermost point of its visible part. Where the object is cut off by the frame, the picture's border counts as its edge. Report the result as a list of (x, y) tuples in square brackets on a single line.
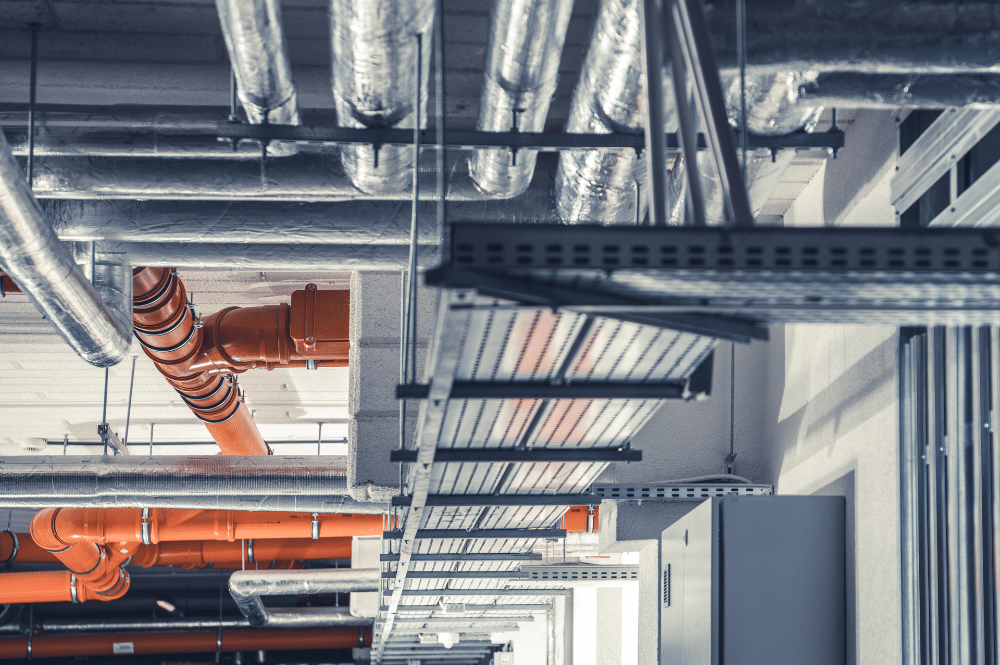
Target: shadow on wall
[(849, 401), (844, 486), (869, 153)]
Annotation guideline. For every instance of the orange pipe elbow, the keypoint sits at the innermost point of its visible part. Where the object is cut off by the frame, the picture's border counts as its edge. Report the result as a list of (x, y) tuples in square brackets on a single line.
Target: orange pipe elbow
[(199, 360)]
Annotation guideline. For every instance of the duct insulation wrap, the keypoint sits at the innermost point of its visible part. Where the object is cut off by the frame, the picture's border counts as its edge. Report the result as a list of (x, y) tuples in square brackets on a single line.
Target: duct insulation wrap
[(522, 69), (263, 256), (601, 185), (247, 586), (259, 57), (43, 267), (313, 177), (104, 477), (374, 81), (773, 103)]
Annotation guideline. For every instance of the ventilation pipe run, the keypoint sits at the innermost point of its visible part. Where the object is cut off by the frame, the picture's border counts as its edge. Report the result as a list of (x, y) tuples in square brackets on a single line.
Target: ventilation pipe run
[(43, 267), (247, 586), (95, 544), (522, 69), (374, 48), (262, 553), (200, 359), (601, 185), (259, 56)]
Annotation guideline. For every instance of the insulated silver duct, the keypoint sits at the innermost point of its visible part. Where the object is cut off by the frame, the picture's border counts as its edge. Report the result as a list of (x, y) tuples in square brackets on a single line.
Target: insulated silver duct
[(259, 56), (265, 256), (374, 48), (247, 586), (350, 223), (103, 477), (773, 103), (522, 69), (600, 185), (301, 178), (32, 254)]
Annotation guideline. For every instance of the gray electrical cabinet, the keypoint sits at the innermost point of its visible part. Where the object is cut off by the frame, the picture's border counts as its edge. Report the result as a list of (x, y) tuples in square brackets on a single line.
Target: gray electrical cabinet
[(755, 580)]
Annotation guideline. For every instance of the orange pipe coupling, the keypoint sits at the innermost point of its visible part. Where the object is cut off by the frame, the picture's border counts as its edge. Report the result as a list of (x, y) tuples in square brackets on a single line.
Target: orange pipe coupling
[(200, 360), (202, 641)]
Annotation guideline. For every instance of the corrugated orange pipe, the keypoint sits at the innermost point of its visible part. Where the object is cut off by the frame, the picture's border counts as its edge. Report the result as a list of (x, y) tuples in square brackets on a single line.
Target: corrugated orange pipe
[(203, 641), (576, 519), (200, 361)]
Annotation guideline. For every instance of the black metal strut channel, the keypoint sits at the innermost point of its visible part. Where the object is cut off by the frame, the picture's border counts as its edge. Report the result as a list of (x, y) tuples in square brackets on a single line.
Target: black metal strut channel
[(471, 139)]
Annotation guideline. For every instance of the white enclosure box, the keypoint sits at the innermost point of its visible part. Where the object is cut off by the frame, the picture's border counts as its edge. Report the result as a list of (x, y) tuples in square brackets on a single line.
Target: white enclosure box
[(755, 580)]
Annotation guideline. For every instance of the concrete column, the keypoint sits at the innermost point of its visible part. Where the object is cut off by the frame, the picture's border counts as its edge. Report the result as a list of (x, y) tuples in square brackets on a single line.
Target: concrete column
[(609, 626), (373, 430)]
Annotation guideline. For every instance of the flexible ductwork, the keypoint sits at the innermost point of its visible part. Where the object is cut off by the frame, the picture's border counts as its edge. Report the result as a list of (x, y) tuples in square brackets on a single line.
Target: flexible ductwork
[(259, 56), (374, 48), (522, 69), (205, 641), (32, 254), (600, 185), (247, 586)]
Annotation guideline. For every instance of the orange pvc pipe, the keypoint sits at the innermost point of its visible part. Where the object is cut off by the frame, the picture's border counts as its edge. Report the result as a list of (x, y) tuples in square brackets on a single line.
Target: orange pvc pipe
[(267, 552), (197, 360), (576, 519), (115, 525), (203, 641), (36, 587)]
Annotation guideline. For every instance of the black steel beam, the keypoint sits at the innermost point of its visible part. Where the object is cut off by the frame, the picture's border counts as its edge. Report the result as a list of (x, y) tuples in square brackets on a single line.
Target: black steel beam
[(449, 500), (497, 455), (495, 247), (613, 306), (470, 139), (545, 390), (479, 534)]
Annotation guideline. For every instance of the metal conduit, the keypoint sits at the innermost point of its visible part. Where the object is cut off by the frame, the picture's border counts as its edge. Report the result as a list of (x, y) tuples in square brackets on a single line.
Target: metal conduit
[(374, 46), (247, 586), (32, 254), (522, 68), (297, 503)]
